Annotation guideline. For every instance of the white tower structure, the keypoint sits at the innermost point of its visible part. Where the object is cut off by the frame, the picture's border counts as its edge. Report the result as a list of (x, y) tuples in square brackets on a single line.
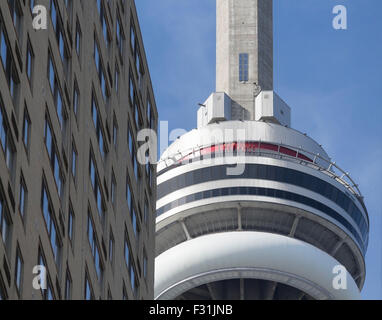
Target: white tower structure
[(247, 207)]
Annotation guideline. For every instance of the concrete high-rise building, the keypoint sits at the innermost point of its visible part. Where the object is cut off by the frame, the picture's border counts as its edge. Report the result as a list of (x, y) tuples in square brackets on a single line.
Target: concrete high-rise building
[(73, 197), (247, 207)]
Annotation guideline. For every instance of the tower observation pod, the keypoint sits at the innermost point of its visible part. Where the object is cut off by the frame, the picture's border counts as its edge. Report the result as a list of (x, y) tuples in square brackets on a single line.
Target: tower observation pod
[(247, 207)]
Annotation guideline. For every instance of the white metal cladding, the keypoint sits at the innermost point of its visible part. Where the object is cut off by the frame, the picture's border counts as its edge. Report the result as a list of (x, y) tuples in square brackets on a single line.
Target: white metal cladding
[(222, 208), (259, 255)]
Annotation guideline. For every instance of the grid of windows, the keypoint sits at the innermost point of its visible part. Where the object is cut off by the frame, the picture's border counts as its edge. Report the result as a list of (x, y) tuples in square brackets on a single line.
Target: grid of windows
[(99, 128), (55, 65), (50, 223), (96, 184), (92, 236), (100, 69), (130, 265), (54, 157), (6, 139), (8, 61)]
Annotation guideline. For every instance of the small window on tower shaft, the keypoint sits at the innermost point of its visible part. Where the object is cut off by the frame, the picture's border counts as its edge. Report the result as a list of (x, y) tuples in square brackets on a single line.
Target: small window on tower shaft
[(243, 67)]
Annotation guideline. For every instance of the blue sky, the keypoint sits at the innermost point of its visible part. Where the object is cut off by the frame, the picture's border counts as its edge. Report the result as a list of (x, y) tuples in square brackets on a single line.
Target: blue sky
[(331, 79)]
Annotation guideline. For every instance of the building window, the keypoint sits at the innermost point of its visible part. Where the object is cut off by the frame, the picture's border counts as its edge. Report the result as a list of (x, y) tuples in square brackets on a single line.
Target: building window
[(146, 213), (100, 69), (95, 181), (78, 39), (127, 251), (71, 224), (3, 292), (115, 132), (49, 291), (8, 61), (56, 92), (132, 38), (26, 129), (148, 111), (130, 139), (16, 14), (124, 292), (23, 197), (53, 13), (104, 25), (99, 6), (113, 188), (89, 295), (59, 105), (4, 47), (5, 224), (68, 285), (243, 67), (134, 221), (137, 114), (60, 36), (134, 281), (129, 198), (51, 228), (94, 247), (144, 264), (135, 165), (58, 173), (29, 61), (111, 248), (74, 160), (76, 99), (6, 140), (31, 4), (51, 73), (92, 171), (131, 88), (48, 137), (116, 76), (120, 35), (19, 270), (99, 128)]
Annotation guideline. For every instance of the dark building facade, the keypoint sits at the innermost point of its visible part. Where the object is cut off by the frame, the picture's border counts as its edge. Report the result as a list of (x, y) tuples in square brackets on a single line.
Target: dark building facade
[(73, 197)]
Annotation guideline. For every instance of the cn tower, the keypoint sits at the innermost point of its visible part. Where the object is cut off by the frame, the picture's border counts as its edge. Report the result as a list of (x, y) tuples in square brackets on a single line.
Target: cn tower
[(249, 208)]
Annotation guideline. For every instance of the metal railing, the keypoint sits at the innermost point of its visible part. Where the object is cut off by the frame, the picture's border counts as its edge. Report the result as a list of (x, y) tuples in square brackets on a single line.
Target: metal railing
[(317, 162)]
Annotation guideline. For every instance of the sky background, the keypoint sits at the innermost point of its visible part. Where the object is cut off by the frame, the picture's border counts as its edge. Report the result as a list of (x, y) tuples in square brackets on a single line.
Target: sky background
[(331, 79)]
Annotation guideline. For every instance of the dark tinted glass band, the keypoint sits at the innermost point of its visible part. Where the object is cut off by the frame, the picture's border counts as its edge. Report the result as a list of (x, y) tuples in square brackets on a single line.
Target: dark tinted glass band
[(272, 173), (274, 193)]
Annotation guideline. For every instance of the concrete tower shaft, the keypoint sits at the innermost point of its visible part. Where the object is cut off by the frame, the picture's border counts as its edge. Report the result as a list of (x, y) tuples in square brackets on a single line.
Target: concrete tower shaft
[(244, 52)]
